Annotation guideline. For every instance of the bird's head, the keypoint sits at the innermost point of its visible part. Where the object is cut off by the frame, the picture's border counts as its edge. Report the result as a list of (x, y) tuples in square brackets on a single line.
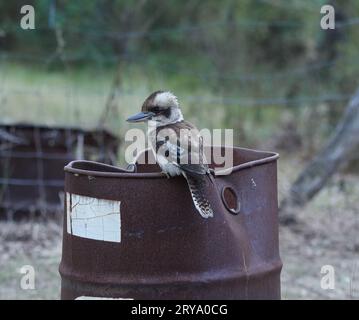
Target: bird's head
[(162, 107)]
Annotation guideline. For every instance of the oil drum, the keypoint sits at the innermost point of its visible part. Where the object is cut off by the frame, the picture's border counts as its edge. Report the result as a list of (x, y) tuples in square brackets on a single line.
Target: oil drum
[(137, 235)]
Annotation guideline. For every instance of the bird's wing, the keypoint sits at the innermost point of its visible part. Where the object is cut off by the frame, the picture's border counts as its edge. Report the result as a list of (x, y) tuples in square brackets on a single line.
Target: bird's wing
[(182, 145)]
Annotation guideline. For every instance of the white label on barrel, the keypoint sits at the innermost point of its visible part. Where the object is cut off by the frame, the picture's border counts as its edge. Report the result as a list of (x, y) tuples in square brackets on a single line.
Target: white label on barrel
[(93, 218)]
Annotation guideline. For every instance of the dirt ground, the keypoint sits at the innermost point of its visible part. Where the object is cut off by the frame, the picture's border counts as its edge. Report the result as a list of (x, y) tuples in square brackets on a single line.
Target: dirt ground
[(327, 235)]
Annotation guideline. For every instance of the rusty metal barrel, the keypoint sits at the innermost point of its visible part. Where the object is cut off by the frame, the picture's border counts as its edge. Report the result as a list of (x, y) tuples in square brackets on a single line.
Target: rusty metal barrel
[(32, 158), (137, 235)]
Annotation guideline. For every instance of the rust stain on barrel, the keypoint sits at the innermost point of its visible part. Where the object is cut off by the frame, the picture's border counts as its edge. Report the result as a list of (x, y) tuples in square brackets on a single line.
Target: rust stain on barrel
[(167, 251)]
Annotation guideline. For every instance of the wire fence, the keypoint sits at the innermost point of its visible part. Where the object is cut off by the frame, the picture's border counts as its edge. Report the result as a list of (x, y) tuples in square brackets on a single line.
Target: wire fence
[(67, 104), (296, 73)]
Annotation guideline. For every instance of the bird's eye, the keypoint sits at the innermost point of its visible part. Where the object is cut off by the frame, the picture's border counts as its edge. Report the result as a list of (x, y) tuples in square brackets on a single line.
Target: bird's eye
[(156, 109)]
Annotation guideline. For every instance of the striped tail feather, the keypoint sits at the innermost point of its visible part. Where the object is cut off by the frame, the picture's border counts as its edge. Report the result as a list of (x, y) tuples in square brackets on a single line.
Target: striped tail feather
[(197, 186)]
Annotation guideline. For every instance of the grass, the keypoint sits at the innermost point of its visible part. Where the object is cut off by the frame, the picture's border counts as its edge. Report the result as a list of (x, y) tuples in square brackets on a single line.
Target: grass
[(33, 94)]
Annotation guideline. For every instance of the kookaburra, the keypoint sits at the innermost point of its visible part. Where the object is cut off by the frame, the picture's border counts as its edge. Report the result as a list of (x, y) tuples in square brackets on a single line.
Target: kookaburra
[(177, 146)]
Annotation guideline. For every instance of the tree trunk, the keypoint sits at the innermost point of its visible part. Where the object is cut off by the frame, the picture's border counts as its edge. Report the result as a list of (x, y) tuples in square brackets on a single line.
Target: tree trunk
[(111, 105), (339, 150)]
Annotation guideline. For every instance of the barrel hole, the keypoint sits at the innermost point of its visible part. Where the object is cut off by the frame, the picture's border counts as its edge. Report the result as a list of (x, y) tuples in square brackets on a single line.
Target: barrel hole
[(230, 200)]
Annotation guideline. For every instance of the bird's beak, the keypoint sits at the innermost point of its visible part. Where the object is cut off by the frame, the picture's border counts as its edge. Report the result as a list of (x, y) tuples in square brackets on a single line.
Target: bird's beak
[(141, 116)]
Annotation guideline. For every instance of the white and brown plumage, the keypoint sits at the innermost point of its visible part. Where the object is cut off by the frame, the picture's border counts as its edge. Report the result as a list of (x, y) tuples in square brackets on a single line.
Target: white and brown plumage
[(177, 145)]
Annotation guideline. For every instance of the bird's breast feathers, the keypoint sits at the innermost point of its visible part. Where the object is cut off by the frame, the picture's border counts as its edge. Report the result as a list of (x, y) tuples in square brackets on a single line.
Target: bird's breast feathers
[(170, 168), (178, 149)]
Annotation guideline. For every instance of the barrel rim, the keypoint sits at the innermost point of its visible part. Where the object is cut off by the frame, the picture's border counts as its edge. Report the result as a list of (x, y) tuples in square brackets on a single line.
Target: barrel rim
[(117, 172)]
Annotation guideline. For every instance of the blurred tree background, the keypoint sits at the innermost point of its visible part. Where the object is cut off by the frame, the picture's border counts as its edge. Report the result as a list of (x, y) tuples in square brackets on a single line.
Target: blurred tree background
[(244, 64)]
